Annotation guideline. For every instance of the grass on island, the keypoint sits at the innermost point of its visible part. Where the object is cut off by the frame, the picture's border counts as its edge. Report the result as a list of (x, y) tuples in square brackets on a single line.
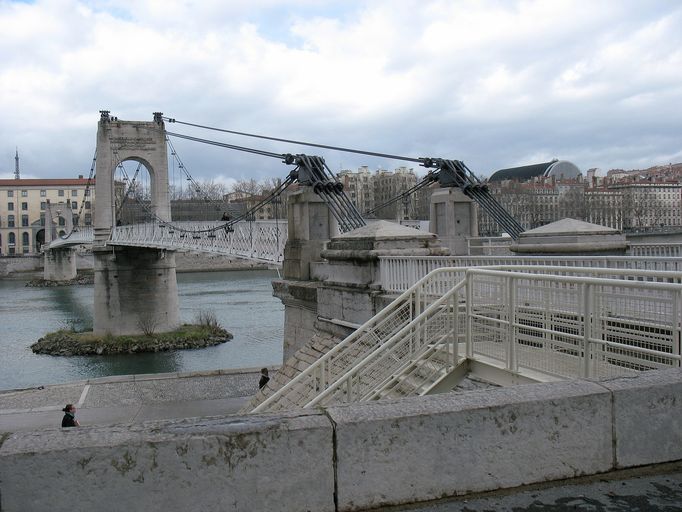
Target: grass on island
[(69, 341), (186, 332)]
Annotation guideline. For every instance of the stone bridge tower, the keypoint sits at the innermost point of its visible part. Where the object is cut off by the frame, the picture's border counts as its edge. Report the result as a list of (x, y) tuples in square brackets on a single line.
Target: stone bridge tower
[(135, 288)]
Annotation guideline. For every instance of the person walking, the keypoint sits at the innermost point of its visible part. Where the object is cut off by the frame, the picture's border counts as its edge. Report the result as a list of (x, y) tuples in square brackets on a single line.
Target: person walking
[(264, 378), (69, 419)]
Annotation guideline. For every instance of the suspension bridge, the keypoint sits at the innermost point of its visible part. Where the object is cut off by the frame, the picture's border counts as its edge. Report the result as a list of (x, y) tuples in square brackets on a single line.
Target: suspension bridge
[(561, 324), (382, 313), (127, 255)]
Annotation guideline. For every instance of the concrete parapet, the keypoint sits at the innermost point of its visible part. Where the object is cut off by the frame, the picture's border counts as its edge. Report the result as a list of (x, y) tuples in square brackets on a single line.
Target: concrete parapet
[(350, 457), (443, 445), (647, 418), (281, 463)]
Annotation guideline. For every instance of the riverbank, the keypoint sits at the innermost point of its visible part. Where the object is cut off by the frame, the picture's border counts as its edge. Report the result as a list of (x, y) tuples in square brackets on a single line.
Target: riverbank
[(26, 265), (85, 278), (188, 336)]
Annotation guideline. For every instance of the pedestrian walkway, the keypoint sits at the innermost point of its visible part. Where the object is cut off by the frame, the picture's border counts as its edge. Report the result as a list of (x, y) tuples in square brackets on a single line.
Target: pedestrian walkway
[(647, 489), (129, 399)]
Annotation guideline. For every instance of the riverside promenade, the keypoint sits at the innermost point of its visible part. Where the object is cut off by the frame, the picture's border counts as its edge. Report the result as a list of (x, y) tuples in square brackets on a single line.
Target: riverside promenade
[(128, 399)]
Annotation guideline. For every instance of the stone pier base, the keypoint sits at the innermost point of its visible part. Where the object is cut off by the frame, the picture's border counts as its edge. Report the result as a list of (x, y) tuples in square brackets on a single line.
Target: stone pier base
[(60, 265), (136, 291)]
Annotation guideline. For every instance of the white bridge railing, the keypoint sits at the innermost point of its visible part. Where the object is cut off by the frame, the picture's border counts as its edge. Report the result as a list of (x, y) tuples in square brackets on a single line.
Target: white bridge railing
[(560, 326), (398, 273), (662, 250), (83, 235), (258, 240)]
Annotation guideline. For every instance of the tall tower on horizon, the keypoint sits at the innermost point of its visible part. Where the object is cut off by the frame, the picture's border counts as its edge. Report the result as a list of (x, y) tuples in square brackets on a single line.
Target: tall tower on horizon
[(17, 176)]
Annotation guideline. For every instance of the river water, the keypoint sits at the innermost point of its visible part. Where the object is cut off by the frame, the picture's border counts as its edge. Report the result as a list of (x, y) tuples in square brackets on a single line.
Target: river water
[(241, 300)]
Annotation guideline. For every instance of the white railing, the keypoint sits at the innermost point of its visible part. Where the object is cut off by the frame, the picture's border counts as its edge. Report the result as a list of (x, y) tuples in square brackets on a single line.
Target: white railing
[(662, 250), (398, 273), (387, 326), (83, 235), (489, 246), (561, 326), (572, 327), (258, 240)]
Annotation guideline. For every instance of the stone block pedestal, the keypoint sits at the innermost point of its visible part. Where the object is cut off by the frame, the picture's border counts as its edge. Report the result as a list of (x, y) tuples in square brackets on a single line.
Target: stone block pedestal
[(135, 291)]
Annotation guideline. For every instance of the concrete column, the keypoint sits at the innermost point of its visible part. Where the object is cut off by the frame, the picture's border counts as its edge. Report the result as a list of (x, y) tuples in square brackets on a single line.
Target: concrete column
[(60, 264), (310, 225), (454, 217), (135, 291), (55, 211)]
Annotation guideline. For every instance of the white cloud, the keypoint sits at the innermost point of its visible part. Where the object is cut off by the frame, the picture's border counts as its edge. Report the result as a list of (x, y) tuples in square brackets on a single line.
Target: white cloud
[(494, 83)]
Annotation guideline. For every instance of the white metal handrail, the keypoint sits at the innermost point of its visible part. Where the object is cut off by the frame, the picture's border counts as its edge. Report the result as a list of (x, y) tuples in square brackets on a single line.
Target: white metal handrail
[(81, 236), (572, 327), (559, 325), (400, 349), (398, 273), (332, 366), (665, 250), (258, 240)]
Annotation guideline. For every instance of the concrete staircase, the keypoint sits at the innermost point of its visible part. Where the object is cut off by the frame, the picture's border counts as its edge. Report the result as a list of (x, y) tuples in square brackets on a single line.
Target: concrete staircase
[(409, 348)]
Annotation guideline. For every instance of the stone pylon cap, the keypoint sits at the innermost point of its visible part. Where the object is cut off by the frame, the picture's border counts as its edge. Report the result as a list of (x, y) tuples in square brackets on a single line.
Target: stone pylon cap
[(569, 227), (383, 230), (571, 236), (380, 237)]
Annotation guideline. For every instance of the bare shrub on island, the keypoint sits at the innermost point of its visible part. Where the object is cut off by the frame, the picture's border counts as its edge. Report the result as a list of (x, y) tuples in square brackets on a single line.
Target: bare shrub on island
[(208, 319), (147, 325)]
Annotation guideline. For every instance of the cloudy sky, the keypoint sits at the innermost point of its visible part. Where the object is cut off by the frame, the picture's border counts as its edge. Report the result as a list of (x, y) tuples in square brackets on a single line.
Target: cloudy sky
[(493, 83)]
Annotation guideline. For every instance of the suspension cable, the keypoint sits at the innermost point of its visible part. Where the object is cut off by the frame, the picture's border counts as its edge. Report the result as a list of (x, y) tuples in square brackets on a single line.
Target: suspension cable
[(225, 145), (426, 180), (86, 193), (300, 143), (219, 204), (131, 186), (224, 226)]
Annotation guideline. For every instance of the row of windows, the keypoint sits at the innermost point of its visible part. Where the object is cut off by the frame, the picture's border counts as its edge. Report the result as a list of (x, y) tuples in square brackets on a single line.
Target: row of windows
[(43, 205), (25, 242), (11, 222), (43, 193)]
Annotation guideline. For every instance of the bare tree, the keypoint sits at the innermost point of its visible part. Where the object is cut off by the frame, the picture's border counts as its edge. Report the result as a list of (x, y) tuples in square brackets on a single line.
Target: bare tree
[(641, 208)]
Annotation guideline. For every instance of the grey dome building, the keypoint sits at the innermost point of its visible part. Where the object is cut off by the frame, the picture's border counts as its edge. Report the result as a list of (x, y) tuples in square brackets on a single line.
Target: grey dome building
[(557, 168)]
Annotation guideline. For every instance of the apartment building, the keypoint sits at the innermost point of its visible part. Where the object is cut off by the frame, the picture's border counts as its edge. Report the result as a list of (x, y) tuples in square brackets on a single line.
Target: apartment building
[(360, 187), (371, 190), (22, 210)]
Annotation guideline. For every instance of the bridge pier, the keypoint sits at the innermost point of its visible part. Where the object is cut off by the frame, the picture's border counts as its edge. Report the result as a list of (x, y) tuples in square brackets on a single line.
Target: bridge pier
[(331, 281), (310, 226), (454, 217), (136, 291), (60, 264)]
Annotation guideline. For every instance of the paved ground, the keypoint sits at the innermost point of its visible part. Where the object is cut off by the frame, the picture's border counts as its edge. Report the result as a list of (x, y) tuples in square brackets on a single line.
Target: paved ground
[(130, 398), (650, 489)]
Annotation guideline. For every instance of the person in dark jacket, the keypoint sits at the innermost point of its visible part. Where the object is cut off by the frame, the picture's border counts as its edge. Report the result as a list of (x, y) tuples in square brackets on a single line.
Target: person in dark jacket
[(69, 419), (264, 378)]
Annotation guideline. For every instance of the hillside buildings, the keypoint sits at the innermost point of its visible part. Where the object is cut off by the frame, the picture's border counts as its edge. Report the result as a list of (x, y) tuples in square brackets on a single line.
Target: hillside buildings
[(624, 200)]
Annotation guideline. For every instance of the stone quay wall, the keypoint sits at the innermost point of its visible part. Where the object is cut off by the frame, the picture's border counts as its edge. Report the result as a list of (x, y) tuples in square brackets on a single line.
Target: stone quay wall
[(185, 261), (34, 263), (350, 457)]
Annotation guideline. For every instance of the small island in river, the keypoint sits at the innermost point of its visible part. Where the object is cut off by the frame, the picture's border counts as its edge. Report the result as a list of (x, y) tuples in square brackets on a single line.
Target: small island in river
[(69, 343)]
